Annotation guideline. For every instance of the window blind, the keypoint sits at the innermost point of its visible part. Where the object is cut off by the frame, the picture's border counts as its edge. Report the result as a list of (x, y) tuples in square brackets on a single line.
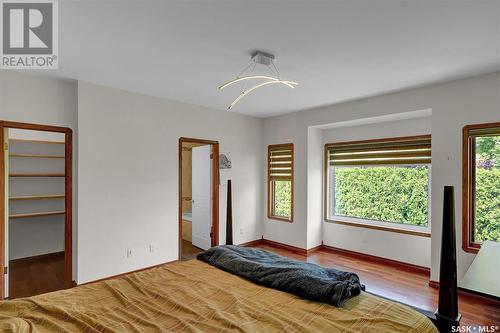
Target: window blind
[(404, 150), (280, 158), (486, 131)]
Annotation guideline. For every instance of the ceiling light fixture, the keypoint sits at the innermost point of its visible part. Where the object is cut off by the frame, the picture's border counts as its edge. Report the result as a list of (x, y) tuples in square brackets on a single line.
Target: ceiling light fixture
[(258, 58)]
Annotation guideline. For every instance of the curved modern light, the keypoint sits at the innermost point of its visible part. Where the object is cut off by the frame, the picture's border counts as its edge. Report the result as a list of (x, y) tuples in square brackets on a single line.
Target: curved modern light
[(246, 92), (243, 78), (258, 58)]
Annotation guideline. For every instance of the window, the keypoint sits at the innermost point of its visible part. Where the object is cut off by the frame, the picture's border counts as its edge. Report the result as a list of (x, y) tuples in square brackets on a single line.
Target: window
[(381, 184), (481, 185), (280, 182)]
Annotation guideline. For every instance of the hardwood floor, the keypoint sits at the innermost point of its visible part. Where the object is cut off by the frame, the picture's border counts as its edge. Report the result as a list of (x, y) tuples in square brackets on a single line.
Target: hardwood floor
[(36, 275), (189, 251), (399, 284)]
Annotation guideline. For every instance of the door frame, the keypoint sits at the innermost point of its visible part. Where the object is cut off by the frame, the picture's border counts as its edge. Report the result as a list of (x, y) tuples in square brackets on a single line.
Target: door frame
[(215, 189), (68, 191)]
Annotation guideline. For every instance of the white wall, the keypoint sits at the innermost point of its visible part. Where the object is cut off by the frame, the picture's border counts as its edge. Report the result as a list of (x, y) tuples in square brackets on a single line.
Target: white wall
[(128, 175), (314, 187), (454, 104), (290, 131), (28, 98), (39, 100), (406, 248)]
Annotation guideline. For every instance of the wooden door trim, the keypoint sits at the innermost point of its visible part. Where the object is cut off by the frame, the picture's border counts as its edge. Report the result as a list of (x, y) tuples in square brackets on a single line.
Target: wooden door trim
[(68, 188), (215, 189)]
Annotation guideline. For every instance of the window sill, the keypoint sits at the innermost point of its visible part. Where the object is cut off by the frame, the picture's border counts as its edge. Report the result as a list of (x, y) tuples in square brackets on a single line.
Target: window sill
[(471, 247), (278, 218), (412, 232)]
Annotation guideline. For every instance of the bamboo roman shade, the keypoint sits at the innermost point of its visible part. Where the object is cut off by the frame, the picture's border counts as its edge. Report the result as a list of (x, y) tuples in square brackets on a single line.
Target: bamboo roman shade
[(404, 150), (280, 159), (486, 131)]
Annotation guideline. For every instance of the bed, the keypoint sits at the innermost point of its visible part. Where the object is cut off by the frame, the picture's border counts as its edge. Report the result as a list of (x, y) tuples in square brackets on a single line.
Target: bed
[(192, 296)]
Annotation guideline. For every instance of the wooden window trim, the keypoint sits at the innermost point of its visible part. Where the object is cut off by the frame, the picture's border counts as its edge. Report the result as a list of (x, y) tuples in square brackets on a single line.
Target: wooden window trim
[(363, 225), (468, 182), (382, 228), (270, 188)]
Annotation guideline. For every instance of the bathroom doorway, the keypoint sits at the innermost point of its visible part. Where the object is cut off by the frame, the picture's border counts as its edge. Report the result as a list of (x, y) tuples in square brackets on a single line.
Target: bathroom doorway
[(198, 196)]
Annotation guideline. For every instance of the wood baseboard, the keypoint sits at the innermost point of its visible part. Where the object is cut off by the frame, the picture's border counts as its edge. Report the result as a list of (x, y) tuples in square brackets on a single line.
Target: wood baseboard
[(277, 245), (251, 243), (389, 262), (294, 249), (488, 299), (434, 284), (37, 257), (315, 249), (297, 250), (121, 274)]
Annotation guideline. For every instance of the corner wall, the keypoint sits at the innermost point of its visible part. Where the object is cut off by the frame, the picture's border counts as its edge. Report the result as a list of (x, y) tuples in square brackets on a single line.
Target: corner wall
[(314, 187)]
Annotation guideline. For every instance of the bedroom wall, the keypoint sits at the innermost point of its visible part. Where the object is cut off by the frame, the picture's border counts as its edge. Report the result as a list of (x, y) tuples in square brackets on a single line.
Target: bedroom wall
[(291, 130), (406, 248), (454, 104), (128, 171), (41, 100), (29, 98)]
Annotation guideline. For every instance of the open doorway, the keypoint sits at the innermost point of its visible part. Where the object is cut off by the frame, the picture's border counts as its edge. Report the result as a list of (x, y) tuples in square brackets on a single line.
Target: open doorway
[(198, 196), (36, 209)]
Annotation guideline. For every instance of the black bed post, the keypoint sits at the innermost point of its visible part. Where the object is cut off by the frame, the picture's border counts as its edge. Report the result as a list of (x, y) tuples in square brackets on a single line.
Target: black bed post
[(447, 313), (229, 216)]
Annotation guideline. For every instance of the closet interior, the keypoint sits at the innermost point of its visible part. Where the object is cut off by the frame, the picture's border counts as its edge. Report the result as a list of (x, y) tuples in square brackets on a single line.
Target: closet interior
[(35, 230)]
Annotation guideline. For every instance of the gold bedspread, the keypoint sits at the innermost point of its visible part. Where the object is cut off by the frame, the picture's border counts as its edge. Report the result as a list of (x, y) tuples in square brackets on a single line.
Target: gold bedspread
[(192, 296)]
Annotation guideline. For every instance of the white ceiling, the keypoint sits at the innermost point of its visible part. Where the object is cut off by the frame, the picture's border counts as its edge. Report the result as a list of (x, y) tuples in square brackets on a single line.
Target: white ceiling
[(337, 50)]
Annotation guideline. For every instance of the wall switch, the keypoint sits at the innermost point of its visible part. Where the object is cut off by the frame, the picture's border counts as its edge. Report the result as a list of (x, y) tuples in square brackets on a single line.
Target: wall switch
[(129, 253), (151, 248)]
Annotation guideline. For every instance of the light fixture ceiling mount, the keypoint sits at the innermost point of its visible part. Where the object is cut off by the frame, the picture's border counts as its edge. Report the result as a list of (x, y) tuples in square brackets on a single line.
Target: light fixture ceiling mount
[(258, 58), (263, 58)]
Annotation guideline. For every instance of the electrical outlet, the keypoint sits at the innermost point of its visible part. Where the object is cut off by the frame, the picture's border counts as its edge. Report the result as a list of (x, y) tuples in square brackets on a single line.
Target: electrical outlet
[(129, 253), (241, 231), (151, 248)]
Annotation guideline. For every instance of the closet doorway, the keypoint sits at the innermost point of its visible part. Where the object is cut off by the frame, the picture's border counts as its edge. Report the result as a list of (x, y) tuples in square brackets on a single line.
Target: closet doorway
[(35, 209), (198, 196)]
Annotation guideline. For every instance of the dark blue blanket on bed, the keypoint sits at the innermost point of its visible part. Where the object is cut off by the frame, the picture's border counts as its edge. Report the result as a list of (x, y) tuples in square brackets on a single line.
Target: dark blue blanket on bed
[(303, 279)]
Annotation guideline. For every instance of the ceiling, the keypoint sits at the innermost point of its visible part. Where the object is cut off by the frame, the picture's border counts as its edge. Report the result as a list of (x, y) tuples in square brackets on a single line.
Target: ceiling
[(336, 50)]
